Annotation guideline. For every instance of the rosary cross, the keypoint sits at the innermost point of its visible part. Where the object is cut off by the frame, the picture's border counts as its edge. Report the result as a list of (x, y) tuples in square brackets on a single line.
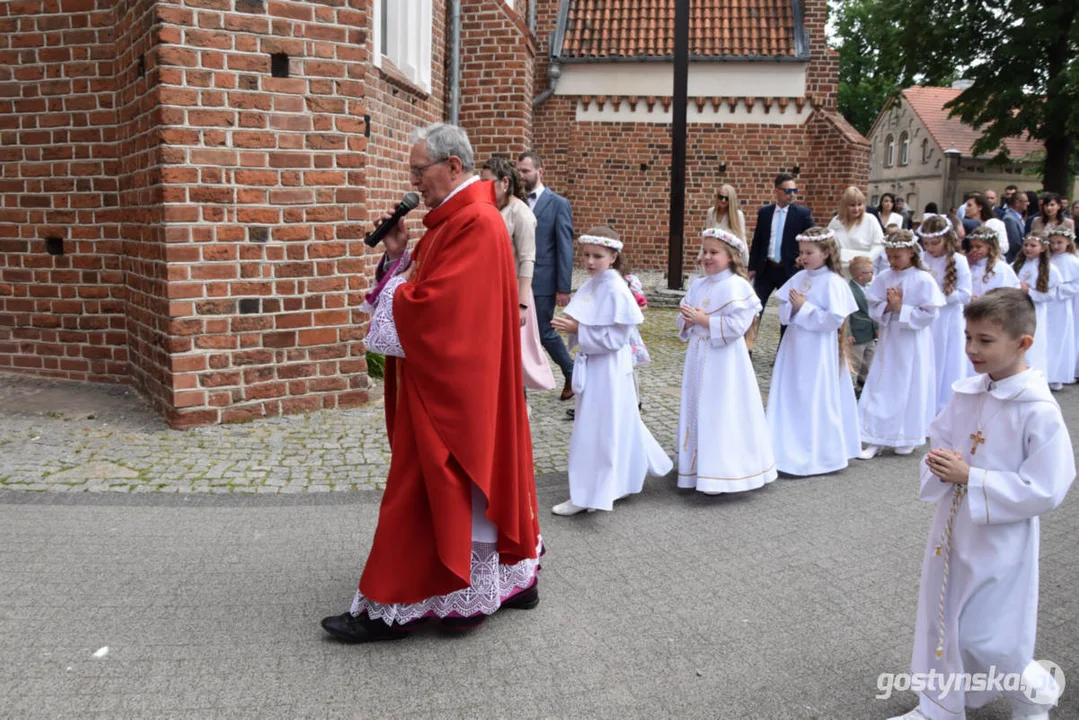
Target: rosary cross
[(977, 440)]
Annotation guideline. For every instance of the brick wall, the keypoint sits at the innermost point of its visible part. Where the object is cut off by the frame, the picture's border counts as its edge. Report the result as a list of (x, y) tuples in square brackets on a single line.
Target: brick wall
[(496, 78), (619, 173), (60, 314), (212, 215), (262, 178)]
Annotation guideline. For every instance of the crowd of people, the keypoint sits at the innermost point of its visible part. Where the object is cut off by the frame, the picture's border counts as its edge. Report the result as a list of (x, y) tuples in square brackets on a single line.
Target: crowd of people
[(936, 336)]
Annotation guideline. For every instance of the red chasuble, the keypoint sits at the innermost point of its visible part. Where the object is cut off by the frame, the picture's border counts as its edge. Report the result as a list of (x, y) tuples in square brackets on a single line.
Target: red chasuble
[(455, 409)]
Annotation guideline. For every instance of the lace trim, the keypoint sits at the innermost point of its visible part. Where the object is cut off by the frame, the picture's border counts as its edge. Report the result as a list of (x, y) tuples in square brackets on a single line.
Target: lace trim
[(382, 332), (491, 584)]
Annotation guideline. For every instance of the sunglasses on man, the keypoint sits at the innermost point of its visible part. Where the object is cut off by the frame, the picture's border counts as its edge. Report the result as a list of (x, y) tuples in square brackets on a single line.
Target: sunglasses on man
[(790, 191)]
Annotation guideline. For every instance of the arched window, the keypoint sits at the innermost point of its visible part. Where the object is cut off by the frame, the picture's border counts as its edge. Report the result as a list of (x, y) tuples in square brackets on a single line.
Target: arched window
[(925, 151), (889, 151), (904, 149)]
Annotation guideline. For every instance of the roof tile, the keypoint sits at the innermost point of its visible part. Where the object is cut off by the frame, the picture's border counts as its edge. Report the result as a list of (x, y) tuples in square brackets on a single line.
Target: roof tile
[(949, 132), (637, 28)]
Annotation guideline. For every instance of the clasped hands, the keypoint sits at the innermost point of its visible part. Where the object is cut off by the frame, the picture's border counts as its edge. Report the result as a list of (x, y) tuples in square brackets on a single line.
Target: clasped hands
[(894, 296), (694, 316), (949, 466)]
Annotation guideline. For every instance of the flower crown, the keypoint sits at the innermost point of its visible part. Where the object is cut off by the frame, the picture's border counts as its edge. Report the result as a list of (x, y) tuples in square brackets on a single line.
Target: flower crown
[(1043, 239), (731, 239), (896, 242), (948, 227), (806, 237), (597, 240), (1062, 232)]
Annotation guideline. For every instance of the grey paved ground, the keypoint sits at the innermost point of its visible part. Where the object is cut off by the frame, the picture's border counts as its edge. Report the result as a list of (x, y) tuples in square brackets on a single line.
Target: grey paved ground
[(67, 437), (783, 603)]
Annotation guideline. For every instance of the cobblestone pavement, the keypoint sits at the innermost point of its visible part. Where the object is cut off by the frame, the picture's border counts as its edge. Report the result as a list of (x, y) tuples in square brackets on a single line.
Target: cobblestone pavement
[(58, 436)]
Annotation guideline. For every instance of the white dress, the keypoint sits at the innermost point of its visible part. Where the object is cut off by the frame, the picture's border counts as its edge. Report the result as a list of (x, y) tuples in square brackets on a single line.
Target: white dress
[(1002, 276), (610, 450), (1061, 317), (1038, 355), (899, 399), (721, 402), (949, 329), (1022, 467), (812, 411), (864, 238), (997, 225)]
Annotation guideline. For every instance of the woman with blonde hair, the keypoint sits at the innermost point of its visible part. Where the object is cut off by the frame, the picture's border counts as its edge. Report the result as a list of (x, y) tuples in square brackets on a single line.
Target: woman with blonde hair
[(725, 214), (856, 231)]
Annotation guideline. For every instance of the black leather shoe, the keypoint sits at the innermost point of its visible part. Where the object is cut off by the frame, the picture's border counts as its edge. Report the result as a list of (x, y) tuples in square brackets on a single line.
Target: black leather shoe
[(571, 414), (525, 600), (463, 624), (360, 629)]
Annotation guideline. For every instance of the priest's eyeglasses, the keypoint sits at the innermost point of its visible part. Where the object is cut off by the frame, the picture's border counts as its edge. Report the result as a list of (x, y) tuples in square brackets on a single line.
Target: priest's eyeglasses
[(417, 172)]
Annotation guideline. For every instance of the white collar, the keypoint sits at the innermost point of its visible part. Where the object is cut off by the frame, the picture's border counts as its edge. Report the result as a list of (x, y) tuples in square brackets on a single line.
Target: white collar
[(538, 190), (719, 276), (459, 188)]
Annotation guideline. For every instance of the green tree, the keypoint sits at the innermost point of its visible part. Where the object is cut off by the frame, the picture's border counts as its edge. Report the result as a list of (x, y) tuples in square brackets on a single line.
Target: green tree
[(1021, 58), (1025, 80), (870, 69)]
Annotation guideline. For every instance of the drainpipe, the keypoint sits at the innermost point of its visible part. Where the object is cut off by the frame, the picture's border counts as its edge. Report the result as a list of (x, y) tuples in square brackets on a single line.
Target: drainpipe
[(554, 72), (455, 61), (555, 40)]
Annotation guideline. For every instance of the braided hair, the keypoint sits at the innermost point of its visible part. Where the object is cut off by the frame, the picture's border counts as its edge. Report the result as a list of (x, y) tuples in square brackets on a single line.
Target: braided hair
[(934, 225)]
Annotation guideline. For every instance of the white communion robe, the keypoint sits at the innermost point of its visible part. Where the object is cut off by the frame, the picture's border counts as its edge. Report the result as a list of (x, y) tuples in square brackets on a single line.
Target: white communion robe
[(723, 441), (1061, 319), (1014, 438), (1038, 355), (949, 329), (610, 450), (1002, 276), (899, 399), (812, 411)]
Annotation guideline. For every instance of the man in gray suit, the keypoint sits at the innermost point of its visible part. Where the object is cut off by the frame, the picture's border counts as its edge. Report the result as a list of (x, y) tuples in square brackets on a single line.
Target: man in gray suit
[(552, 276)]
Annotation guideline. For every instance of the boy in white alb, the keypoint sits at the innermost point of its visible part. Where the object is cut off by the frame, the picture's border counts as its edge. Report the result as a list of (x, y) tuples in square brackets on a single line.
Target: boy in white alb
[(1000, 458)]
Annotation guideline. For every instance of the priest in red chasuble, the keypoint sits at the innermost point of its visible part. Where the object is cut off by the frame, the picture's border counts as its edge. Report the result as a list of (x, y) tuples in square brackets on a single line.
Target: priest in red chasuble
[(457, 536)]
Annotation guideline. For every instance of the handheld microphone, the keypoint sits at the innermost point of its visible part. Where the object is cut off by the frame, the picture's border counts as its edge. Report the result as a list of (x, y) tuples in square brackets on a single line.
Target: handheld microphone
[(408, 204)]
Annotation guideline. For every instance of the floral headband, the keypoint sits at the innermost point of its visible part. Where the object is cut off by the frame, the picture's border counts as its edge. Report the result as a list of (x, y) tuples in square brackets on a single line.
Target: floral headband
[(805, 237), (730, 238), (604, 241), (900, 240), (1043, 239), (1062, 232), (948, 227)]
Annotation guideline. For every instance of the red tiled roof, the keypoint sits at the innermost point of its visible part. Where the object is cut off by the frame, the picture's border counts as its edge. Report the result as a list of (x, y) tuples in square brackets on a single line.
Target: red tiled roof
[(636, 28), (948, 132)]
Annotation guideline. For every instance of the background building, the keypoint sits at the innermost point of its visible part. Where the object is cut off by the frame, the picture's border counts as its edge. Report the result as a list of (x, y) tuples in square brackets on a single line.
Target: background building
[(921, 154), (185, 184)]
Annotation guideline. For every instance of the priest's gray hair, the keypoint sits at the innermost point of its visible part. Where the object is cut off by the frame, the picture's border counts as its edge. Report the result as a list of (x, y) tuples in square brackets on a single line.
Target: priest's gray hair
[(445, 141)]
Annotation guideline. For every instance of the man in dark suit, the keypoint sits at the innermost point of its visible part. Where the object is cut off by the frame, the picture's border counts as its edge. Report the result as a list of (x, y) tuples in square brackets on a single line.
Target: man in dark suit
[(552, 277), (1014, 224), (775, 250)]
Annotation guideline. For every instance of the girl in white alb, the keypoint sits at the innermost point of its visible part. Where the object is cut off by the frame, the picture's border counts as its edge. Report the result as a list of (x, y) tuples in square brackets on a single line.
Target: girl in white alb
[(900, 395), (1039, 279), (723, 441), (812, 411), (988, 270), (950, 269), (1061, 314), (610, 450)]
